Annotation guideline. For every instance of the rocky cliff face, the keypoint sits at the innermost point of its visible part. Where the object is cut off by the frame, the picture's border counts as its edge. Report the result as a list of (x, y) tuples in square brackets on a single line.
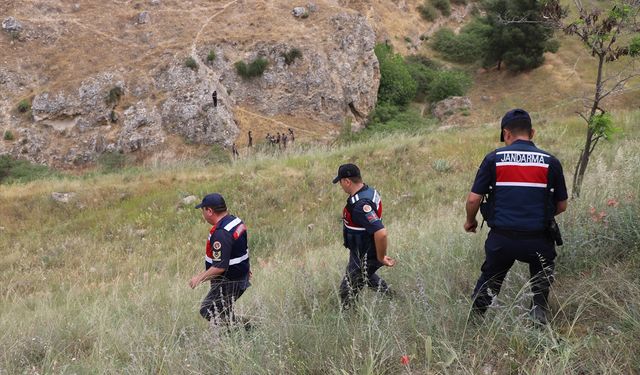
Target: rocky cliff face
[(137, 95)]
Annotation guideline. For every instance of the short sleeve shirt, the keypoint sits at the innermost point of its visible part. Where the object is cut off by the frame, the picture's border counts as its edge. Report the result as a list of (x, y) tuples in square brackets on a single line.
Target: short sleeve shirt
[(364, 214)]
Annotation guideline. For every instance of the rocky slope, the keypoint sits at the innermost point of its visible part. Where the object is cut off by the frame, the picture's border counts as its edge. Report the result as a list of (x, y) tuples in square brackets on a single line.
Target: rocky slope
[(113, 77)]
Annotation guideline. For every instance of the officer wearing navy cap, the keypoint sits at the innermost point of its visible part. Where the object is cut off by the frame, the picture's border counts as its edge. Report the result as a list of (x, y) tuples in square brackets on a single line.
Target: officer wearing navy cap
[(364, 235), (226, 261), (519, 189)]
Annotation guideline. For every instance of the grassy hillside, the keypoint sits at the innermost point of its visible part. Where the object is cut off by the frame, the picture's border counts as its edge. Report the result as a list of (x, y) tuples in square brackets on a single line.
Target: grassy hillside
[(100, 285)]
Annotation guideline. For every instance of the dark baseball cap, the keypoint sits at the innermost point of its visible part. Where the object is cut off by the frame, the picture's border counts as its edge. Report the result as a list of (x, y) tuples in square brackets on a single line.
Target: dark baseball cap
[(214, 201), (514, 115), (347, 170)]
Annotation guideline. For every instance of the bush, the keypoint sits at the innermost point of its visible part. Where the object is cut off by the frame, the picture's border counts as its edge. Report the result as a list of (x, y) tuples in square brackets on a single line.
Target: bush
[(466, 47), (396, 85), (422, 71), (443, 5), (114, 95), (211, 56), (448, 83), (13, 170), (111, 161), (191, 63), (8, 135), (291, 56), (254, 69), (428, 12), (218, 155), (24, 106), (460, 2)]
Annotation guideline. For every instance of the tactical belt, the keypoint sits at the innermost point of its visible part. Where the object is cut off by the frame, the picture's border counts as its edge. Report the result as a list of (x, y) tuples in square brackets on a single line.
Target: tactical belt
[(520, 234)]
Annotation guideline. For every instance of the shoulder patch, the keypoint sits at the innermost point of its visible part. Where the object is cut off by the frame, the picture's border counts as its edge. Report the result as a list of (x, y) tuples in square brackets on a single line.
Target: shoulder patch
[(217, 245), (366, 208)]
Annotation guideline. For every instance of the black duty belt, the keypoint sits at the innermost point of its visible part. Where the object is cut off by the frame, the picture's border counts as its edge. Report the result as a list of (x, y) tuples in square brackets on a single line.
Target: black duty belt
[(520, 234)]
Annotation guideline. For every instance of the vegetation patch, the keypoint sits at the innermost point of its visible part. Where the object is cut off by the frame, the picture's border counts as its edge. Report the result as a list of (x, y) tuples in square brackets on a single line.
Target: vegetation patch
[(114, 95), (24, 106), (291, 56), (14, 170), (427, 11), (8, 135), (252, 70), (444, 6), (191, 63), (211, 56), (110, 162)]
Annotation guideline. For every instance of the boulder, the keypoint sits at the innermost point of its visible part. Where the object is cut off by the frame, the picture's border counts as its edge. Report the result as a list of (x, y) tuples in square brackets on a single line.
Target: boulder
[(451, 106), (11, 25), (62, 197), (298, 11), (143, 17)]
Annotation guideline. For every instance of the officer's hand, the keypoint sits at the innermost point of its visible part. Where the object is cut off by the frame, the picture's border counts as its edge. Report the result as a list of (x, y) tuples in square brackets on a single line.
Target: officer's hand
[(388, 261), (194, 282), (470, 226)]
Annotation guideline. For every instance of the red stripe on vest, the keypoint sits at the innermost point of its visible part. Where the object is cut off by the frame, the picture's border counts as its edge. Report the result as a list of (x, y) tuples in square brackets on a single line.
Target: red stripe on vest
[(517, 173), (239, 230)]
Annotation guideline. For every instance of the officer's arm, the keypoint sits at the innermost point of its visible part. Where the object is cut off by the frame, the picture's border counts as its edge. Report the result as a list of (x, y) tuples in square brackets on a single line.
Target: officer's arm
[(380, 239), (561, 207), (205, 275), (473, 205)]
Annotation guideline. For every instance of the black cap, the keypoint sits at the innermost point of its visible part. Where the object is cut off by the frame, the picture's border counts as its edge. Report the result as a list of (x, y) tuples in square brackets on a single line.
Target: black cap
[(514, 115), (347, 170), (214, 201)]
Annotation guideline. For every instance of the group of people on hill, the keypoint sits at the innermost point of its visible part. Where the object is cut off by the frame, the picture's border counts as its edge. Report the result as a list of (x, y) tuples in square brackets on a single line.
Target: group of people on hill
[(519, 189), (280, 140)]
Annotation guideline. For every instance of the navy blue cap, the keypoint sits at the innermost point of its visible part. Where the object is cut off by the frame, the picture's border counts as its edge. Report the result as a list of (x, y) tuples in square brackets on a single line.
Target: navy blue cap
[(347, 170), (214, 201), (512, 116)]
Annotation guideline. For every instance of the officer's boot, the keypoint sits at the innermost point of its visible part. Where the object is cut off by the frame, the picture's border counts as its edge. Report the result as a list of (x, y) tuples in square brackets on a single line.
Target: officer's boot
[(540, 307)]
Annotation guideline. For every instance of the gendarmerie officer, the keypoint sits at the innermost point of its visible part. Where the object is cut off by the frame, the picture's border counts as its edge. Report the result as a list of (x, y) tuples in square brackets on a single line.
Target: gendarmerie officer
[(364, 235), (525, 189), (226, 261)]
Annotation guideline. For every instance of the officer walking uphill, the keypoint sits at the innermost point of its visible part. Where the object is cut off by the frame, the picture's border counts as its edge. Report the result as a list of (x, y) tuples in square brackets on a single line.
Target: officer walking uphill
[(364, 235), (524, 188), (226, 261)]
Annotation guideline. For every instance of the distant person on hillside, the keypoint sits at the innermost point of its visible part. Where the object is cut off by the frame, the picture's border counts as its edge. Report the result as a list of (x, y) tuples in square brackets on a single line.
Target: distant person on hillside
[(234, 151), (250, 139), (226, 261), (364, 235), (523, 189), (214, 96), (293, 137)]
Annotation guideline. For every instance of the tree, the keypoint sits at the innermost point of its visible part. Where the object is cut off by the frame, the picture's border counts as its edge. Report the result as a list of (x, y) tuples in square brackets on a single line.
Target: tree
[(396, 85), (609, 36), (518, 34)]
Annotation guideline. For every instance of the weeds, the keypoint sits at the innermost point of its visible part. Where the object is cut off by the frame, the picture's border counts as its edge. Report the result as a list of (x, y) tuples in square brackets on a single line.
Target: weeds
[(191, 63), (254, 69)]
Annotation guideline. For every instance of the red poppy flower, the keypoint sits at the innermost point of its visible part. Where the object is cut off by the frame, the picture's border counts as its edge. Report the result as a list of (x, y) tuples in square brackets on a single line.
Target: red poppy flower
[(404, 360)]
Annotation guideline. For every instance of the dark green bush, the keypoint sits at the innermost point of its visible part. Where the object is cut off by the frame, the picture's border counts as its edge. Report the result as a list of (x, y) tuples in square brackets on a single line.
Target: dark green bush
[(24, 106), (396, 85), (427, 11), (191, 63), (254, 69), (422, 71), (111, 161), (448, 83), (443, 5), (466, 47), (13, 170), (8, 135), (114, 95), (292, 55), (460, 2), (211, 55)]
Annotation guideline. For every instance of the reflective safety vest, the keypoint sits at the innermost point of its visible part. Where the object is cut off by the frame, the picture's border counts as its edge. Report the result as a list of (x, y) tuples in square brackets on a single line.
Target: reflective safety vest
[(520, 199), (369, 195), (239, 258)]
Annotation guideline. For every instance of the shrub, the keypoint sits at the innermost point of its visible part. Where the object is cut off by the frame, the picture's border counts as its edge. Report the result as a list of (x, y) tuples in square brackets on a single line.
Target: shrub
[(460, 2), (466, 47), (443, 5), (114, 95), (218, 155), (396, 85), (13, 170), (428, 12), (254, 69), (24, 106), (111, 161), (191, 63), (292, 55), (211, 56), (422, 71), (8, 135), (448, 83)]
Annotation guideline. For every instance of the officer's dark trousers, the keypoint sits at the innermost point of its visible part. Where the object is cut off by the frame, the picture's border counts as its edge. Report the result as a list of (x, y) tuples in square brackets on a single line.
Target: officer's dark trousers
[(360, 271), (502, 250), (218, 304)]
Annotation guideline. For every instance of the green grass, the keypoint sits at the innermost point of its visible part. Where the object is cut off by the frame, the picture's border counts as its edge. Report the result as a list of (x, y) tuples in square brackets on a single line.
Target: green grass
[(81, 291)]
